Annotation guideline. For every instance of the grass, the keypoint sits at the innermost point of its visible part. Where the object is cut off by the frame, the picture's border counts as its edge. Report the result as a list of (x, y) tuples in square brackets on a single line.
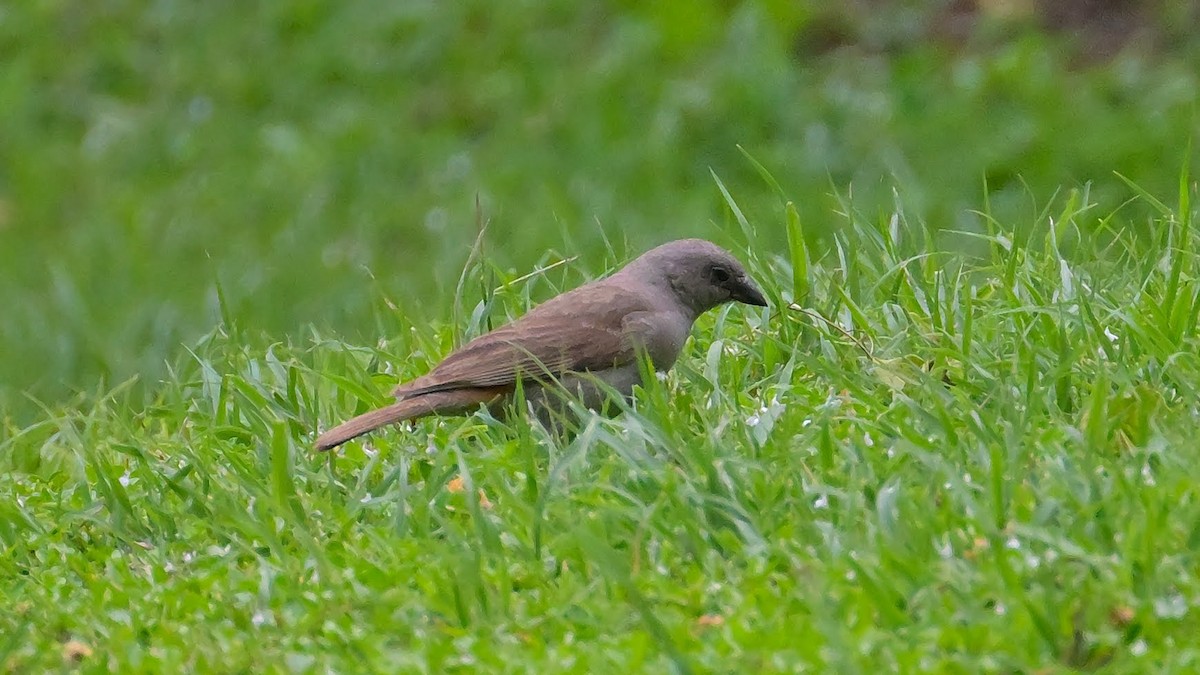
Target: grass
[(959, 440), (934, 462), (307, 157)]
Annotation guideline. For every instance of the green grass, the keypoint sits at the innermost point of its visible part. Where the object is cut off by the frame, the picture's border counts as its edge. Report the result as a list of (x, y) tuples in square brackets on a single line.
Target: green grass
[(960, 439), (308, 157), (934, 463)]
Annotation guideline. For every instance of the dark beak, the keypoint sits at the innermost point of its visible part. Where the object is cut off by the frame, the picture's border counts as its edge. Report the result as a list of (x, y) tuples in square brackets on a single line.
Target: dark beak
[(744, 290)]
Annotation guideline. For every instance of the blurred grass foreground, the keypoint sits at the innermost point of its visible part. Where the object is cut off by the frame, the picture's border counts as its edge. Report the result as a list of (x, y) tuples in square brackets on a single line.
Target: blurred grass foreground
[(299, 161)]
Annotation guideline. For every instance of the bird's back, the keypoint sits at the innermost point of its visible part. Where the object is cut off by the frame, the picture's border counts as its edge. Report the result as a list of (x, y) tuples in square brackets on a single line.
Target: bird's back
[(584, 329)]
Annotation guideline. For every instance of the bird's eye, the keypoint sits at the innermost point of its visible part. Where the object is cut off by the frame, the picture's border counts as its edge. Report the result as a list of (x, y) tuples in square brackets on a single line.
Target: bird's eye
[(719, 274)]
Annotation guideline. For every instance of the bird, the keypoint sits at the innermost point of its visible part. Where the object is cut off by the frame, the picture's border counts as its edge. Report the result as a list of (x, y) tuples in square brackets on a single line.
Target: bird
[(587, 342)]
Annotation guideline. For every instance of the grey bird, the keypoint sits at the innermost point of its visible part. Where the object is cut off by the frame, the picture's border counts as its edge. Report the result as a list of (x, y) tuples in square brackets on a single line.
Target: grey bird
[(595, 333)]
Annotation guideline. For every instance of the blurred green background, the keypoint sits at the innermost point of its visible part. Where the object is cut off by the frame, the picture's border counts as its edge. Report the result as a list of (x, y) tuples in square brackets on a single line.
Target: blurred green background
[(307, 160)]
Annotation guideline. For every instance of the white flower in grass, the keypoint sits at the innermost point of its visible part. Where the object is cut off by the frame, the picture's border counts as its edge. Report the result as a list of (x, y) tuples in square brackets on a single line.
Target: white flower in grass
[(1147, 474), (1012, 544), (766, 414), (1174, 606), (1000, 609), (124, 479), (945, 550), (833, 402), (1138, 648), (821, 502), (660, 376)]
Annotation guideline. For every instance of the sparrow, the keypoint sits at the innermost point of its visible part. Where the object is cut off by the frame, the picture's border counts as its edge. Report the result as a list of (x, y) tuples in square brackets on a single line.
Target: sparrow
[(586, 342)]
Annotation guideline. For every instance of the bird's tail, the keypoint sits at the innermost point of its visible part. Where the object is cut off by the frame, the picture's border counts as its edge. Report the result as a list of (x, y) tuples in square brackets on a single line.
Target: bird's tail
[(442, 403), (365, 423)]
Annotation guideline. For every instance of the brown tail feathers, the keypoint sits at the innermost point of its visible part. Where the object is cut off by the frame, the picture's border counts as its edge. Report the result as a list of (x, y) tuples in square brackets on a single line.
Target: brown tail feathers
[(454, 402)]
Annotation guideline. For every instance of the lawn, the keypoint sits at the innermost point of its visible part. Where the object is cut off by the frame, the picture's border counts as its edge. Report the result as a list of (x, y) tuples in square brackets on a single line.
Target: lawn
[(959, 440)]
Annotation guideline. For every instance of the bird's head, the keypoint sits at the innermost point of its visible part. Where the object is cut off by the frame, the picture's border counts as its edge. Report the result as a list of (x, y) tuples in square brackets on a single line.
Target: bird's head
[(701, 274)]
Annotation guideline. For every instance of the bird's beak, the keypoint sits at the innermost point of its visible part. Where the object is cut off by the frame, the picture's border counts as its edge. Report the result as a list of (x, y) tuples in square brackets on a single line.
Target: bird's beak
[(744, 290)]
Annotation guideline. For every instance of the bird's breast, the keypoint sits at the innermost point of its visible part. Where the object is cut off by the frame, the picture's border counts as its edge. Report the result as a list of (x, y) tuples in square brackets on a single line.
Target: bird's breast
[(664, 341)]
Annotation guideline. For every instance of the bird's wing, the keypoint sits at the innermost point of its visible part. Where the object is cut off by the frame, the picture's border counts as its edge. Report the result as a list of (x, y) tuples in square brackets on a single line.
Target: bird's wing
[(585, 329)]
